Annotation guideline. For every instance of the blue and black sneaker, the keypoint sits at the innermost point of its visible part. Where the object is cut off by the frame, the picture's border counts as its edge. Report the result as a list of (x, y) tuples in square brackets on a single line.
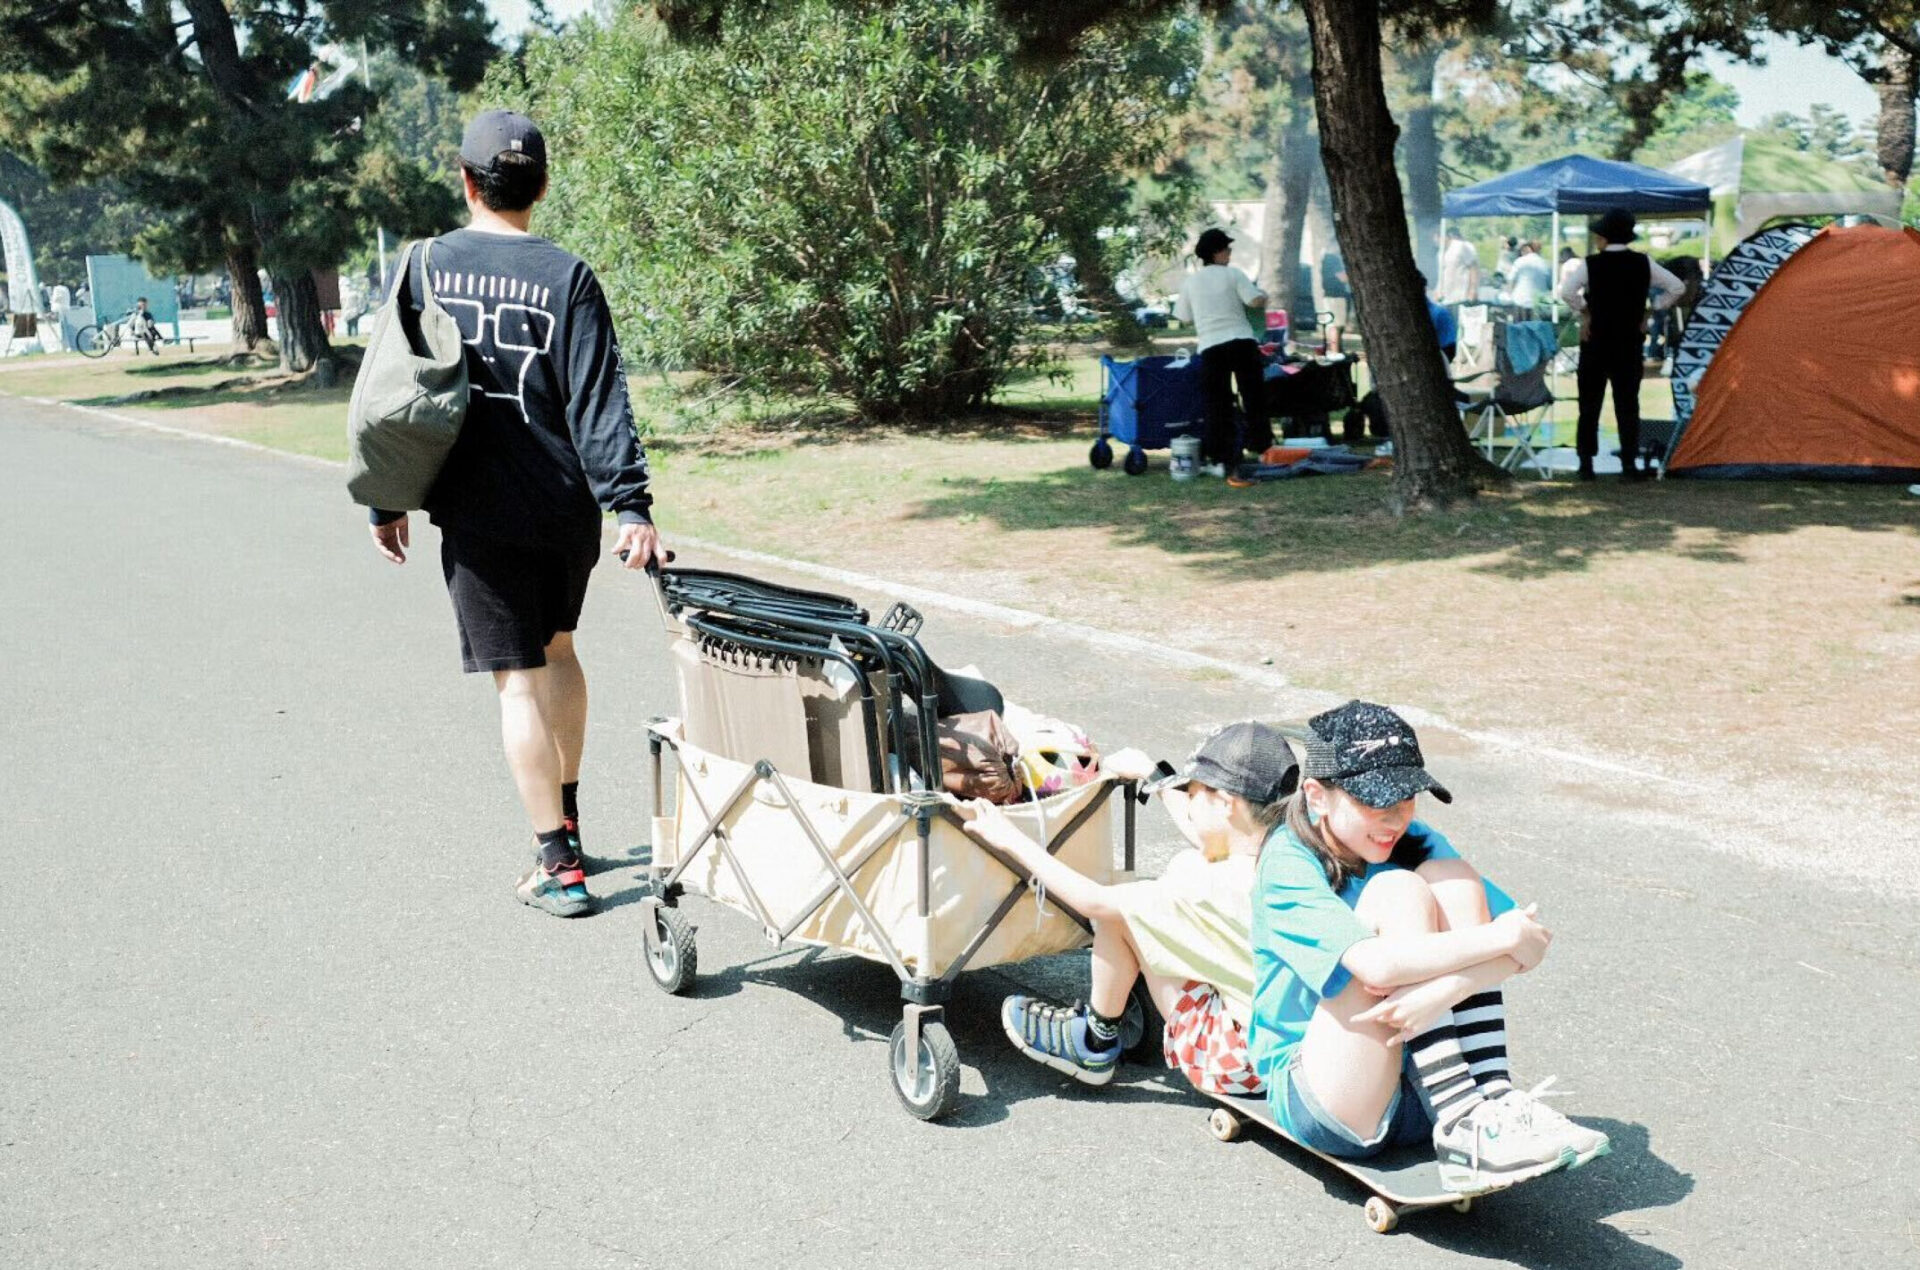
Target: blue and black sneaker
[(1058, 1036)]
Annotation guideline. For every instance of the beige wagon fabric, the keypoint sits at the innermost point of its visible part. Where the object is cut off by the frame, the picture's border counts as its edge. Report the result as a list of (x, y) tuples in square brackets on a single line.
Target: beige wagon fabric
[(965, 884)]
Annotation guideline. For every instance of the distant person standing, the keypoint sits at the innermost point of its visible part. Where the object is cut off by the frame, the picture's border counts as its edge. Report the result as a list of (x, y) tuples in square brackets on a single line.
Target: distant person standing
[(1215, 299), (548, 441), (1609, 291), (1532, 279), (1459, 270)]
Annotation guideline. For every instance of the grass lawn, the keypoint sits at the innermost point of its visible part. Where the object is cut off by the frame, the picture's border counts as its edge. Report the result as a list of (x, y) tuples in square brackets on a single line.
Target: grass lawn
[(1762, 635)]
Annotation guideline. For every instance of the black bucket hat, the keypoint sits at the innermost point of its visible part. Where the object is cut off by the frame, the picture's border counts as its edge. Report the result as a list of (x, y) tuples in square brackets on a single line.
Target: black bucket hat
[(1616, 225), (1211, 241), (1370, 752)]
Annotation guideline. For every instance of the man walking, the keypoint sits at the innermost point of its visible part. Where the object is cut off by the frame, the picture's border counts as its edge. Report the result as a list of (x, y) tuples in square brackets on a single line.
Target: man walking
[(1609, 291), (548, 442)]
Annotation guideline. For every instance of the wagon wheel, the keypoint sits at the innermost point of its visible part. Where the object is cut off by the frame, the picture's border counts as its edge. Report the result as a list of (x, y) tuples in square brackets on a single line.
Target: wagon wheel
[(927, 1082), (1141, 1026), (673, 956), (1136, 462), (1101, 455)]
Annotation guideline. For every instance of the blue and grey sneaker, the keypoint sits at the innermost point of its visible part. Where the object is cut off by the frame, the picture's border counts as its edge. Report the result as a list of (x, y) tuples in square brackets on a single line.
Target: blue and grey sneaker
[(561, 891), (1057, 1036)]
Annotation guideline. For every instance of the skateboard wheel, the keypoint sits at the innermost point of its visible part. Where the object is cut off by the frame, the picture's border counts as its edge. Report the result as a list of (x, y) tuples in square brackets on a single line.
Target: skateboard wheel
[(1463, 1205), (1380, 1216), (1223, 1124)]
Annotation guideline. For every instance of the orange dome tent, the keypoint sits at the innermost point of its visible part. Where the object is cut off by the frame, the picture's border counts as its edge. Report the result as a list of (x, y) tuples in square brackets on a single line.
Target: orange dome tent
[(1819, 377)]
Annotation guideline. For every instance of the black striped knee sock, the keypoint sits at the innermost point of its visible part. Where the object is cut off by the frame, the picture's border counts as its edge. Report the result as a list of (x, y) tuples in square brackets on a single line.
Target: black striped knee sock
[(1446, 1084), (1481, 1021)]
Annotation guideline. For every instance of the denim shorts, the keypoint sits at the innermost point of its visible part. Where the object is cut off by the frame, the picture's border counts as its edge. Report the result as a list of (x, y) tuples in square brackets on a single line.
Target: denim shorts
[(1404, 1122)]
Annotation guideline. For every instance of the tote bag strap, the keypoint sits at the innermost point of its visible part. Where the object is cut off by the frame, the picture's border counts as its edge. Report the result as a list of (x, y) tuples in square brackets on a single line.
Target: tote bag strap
[(406, 266)]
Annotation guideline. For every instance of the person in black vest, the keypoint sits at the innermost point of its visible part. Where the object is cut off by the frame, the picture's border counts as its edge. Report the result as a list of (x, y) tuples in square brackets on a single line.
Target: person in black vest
[(1609, 291)]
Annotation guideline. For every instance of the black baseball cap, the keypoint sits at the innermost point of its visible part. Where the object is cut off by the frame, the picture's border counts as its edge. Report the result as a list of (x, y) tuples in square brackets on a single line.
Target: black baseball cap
[(1249, 759), (1370, 752), (1212, 240), (492, 133)]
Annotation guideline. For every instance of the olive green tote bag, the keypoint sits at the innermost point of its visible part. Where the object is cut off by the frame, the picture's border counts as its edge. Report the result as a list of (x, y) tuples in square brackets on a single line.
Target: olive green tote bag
[(407, 406)]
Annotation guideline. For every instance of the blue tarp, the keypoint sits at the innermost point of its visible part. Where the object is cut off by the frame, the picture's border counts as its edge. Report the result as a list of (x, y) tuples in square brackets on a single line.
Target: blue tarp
[(1580, 185)]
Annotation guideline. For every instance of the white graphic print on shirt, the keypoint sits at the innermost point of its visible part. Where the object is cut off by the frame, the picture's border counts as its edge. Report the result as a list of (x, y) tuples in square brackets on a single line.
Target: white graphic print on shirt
[(521, 324)]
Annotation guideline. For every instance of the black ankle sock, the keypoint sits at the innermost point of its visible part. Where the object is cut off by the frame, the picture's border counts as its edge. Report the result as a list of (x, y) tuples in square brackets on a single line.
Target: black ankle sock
[(1102, 1032), (554, 849), (570, 800)]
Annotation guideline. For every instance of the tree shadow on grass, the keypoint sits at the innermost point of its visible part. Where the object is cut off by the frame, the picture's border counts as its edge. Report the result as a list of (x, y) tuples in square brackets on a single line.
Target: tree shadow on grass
[(1316, 524)]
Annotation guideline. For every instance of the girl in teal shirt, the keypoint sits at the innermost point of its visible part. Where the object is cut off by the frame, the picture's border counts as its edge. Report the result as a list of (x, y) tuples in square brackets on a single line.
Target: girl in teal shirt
[(1378, 953)]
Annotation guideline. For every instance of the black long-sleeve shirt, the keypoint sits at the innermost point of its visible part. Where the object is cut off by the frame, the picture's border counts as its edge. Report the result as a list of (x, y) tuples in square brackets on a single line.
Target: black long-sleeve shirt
[(549, 438)]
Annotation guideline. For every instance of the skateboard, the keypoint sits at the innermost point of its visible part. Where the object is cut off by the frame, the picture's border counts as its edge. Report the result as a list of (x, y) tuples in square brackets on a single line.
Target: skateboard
[(1402, 1179)]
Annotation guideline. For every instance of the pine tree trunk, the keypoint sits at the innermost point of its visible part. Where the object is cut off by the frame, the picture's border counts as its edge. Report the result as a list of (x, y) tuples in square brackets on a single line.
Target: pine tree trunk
[(1273, 212), (1320, 225), (1097, 290), (1299, 155), (249, 305), (1896, 124), (1433, 463), (303, 338), (1423, 161)]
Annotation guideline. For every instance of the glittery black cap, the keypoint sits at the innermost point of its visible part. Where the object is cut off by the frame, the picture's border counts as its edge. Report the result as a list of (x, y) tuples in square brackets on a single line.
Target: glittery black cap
[(1370, 752)]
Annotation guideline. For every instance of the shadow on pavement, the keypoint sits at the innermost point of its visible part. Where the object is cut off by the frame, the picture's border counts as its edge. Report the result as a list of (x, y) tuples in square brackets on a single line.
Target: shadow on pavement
[(1560, 1221), (1556, 1223)]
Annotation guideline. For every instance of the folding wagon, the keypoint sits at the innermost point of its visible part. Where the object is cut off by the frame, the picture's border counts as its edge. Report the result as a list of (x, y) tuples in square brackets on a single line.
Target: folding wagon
[(806, 793)]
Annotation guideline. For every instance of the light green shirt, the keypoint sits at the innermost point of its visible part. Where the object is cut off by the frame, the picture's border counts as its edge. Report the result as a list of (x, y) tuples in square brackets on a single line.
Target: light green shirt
[(1194, 922)]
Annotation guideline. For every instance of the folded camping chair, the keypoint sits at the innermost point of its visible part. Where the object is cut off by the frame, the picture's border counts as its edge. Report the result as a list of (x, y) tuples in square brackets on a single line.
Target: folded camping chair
[(1500, 400)]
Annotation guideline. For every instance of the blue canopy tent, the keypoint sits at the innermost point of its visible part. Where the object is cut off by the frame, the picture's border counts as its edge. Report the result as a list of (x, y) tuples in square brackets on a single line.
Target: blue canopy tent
[(1579, 185)]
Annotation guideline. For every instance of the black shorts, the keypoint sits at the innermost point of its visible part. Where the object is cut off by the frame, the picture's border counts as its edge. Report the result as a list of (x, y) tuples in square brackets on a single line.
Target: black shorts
[(511, 598)]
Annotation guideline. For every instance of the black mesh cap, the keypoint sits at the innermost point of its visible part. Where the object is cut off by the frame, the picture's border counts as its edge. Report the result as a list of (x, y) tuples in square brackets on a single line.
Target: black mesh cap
[(1249, 759), (1370, 752)]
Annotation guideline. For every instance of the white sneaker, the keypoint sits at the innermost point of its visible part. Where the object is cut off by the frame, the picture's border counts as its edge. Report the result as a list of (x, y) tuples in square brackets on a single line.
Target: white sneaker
[(1213, 469), (1587, 1144), (1493, 1147)]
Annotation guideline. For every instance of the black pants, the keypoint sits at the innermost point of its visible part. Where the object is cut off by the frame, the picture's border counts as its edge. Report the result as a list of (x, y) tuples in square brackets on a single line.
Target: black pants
[(1620, 366), (1220, 367)]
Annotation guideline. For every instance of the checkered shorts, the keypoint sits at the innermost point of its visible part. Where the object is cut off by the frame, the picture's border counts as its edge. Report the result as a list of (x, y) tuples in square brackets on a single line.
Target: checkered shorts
[(1203, 1041)]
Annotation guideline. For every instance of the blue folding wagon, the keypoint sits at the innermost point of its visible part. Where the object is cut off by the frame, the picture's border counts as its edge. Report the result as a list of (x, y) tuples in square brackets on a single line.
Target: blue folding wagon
[(1144, 404)]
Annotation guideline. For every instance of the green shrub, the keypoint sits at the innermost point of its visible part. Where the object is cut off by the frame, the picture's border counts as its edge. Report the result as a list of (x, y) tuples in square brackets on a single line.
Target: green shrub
[(859, 203)]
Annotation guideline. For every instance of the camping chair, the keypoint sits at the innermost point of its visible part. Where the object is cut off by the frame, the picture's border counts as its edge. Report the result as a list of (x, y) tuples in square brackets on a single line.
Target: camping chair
[(1500, 400)]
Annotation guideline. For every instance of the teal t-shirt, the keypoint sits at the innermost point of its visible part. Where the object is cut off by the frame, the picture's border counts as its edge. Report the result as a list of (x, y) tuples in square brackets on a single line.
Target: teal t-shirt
[(1302, 927)]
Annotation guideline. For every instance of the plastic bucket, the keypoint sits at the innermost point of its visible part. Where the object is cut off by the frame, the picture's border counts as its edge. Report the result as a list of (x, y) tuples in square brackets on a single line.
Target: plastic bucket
[(1186, 457)]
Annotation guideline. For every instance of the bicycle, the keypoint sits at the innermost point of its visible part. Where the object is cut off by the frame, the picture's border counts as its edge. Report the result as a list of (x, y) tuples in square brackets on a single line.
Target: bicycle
[(101, 338), (98, 339)]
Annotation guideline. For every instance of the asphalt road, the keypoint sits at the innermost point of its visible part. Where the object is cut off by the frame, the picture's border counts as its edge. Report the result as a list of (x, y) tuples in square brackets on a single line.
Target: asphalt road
[(269, 1000)]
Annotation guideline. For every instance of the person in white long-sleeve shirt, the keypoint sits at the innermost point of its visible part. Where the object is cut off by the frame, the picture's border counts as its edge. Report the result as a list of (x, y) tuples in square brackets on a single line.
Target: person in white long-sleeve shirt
[(1609, 291), (1215, 299)]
